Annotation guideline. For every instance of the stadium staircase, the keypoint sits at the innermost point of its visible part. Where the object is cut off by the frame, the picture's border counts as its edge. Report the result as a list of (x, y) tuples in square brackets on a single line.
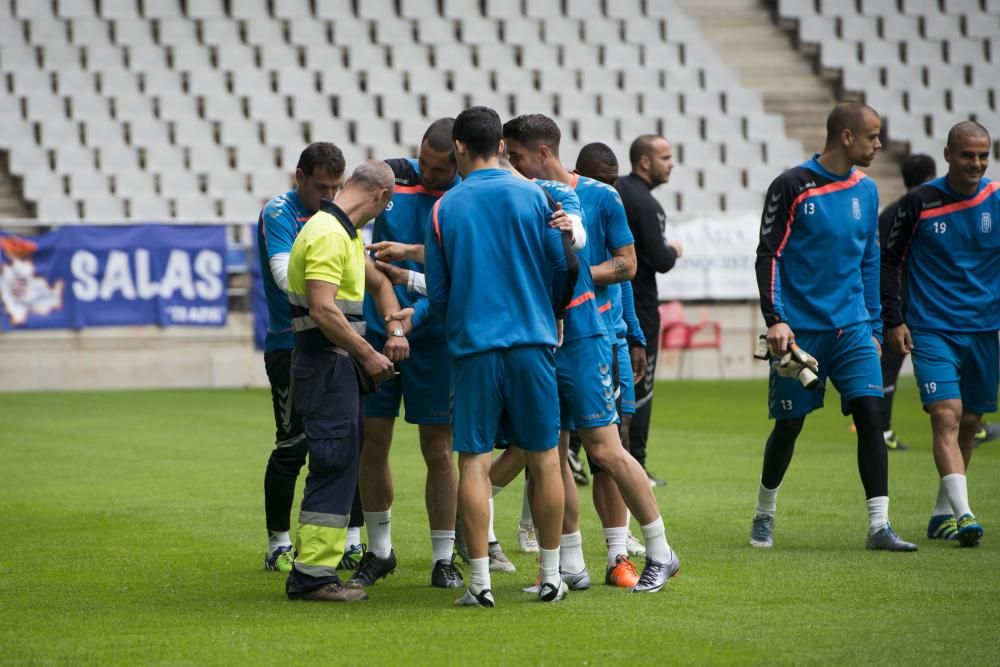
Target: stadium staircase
[(751, 37), (12, 206)]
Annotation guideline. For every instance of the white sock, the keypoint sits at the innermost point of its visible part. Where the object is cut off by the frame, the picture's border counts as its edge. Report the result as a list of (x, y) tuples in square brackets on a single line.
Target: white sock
[(655, 537), (571, 553), (275, 539), (379, 532), (480, 579), (353, 535), (878, 513), (958, 493), (442, 544), (526, 519), (617, 541), (491, 536), (942, 505), (549, 566), (886, 434), (767, 500)]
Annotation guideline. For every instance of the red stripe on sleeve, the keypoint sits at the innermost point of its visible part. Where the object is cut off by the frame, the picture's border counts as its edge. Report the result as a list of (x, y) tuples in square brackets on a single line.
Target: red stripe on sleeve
[(962, 205), (437, 225)]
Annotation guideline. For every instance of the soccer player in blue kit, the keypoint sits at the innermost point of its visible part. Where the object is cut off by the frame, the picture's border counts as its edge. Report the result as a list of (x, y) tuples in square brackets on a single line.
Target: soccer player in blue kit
[(423, 380), (944, 245), (533, 146), (501, 330), (818, 275)]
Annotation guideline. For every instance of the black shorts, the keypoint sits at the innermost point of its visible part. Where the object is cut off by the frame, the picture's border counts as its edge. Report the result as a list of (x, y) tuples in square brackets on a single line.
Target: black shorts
[(287, 422)]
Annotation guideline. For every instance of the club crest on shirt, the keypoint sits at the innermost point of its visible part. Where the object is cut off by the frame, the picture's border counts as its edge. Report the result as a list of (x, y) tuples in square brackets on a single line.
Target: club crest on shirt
[(856, 208), (986, 223)]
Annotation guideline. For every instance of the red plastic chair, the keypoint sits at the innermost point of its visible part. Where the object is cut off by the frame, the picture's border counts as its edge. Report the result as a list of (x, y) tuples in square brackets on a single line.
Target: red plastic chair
[(677, 334)]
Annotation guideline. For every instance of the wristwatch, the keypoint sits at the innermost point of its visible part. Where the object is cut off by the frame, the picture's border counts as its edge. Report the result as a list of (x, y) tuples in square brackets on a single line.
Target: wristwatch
[(397, 332)]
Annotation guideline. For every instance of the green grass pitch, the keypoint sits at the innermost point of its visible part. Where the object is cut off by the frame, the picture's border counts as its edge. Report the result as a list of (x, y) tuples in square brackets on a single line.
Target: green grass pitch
[(132, 527)]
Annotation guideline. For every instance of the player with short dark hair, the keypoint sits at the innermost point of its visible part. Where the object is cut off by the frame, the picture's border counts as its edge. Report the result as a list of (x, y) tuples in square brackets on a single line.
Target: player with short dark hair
[(917, 169), (943, 243), (533, 146), (818, 275), (423, 380), (501, 328), (317, 176), (597, 160)]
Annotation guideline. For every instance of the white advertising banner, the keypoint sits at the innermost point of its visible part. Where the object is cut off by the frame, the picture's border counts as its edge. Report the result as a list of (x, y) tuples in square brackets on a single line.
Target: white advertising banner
[(718, 261)]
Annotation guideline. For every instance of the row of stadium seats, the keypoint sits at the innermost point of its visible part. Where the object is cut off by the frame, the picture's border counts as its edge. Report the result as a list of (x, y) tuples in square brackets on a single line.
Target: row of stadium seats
[(924, 65), (332, 9), (159, 99)]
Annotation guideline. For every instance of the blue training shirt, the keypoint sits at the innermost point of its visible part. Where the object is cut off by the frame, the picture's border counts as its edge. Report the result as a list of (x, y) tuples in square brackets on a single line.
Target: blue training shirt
[(405, 221), (607, 230), (495, 269), (581, 319), (818, 257), (947, 248), (278, 224)]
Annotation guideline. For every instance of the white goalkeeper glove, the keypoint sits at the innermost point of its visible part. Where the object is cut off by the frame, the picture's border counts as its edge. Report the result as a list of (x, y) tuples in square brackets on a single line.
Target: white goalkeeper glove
[(796, 363)]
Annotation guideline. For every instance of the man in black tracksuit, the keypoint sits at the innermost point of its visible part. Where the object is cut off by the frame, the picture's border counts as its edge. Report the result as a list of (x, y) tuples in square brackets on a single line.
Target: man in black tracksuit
[(652, 161), (917, 169)]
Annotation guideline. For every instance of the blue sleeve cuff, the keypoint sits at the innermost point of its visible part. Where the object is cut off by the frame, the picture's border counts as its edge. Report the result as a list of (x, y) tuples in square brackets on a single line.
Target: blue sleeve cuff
[(421, 312)]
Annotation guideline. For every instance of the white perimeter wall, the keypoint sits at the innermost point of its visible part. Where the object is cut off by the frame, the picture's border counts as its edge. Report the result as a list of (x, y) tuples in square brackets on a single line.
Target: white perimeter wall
[(151, 357)]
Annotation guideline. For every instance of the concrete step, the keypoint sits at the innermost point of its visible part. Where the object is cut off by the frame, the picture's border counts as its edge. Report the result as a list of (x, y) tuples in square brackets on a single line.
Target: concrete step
[(710, 10), (797, 86), (774, 70), (735, 21), (746, 36), (754, 55), (743, 32)]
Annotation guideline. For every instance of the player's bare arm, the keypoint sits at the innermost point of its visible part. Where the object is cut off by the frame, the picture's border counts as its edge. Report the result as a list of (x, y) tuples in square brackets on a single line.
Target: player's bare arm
[(396, 274), (393, 251), (397, 348), (618, 269)]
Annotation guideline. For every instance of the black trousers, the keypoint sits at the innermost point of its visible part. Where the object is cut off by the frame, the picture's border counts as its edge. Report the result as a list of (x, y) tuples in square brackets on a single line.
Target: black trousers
[(892, 361), (649, 322)]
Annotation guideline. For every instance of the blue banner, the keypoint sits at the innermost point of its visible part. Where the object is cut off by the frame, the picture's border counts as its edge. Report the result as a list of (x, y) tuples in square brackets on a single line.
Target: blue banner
[(91, 276)]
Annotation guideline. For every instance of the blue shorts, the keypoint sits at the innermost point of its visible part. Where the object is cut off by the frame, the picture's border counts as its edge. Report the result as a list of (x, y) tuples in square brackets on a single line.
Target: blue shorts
[(423, 384), (625, 382), (514, 389), (586, 388), (962, 366), (847, 356)]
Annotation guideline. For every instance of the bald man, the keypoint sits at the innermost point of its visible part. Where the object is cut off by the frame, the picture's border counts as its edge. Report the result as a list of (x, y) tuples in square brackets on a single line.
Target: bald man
[(944, 245), (332, 366), (818, 274)]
